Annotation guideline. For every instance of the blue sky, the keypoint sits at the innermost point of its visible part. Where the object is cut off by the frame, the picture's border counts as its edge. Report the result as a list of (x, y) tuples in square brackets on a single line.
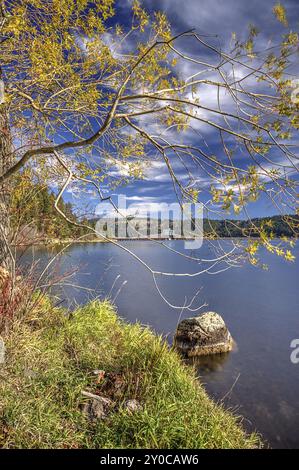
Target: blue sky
[(217, 19)]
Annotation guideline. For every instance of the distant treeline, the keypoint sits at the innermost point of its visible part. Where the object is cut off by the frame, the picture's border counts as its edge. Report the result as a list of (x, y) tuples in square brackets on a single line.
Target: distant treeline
[(34, 216), (278, 226)]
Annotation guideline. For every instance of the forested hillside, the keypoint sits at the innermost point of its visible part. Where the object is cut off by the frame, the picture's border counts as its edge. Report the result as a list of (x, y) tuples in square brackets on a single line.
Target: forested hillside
[(34, 216), (278, 226)]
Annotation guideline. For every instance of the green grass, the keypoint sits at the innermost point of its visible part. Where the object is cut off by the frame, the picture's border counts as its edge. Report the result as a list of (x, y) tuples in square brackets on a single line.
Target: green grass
[(51, 359)]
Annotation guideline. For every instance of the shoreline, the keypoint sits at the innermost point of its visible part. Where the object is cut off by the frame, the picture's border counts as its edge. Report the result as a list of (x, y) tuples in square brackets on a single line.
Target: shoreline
[(61, 398), (53, 242)]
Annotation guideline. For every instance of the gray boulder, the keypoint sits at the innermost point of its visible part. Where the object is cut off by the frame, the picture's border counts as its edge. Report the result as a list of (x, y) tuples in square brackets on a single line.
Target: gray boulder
[(203, 335)]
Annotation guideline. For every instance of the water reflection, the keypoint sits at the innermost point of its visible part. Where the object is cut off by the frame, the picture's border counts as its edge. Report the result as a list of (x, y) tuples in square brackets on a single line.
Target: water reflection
[(213, 363)]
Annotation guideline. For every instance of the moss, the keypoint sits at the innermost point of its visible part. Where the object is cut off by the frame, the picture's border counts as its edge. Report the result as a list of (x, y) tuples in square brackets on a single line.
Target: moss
[(51, 359)]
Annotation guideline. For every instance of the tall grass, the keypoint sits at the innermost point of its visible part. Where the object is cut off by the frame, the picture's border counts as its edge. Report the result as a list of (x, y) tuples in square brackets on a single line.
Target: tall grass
[(51, 359), (16, 292)]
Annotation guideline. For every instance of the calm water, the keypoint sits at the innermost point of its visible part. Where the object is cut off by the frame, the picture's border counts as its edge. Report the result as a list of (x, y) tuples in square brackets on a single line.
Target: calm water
[(261, 309)]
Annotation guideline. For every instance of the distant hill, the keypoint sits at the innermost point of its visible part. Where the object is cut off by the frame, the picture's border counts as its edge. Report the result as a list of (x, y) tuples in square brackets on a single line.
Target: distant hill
[(278, 225), (35, 218)]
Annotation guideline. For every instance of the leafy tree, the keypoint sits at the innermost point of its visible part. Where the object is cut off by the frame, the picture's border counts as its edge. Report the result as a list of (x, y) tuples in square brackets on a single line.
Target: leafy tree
[(82, 94), (33, 214)]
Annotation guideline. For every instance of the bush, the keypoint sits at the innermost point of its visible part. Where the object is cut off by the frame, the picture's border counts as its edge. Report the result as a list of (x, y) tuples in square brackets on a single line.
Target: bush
[(15, 295)]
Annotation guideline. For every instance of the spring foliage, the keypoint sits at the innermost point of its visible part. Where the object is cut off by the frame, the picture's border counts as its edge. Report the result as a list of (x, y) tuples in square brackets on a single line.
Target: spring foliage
[(80, 83)]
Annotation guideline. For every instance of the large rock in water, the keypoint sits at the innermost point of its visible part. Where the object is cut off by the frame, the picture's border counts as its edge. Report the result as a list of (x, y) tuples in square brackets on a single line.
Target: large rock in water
[(203, 335)]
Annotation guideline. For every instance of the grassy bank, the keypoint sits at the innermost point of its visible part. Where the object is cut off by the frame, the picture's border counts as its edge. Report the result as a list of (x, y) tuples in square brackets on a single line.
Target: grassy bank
[(50, 360)]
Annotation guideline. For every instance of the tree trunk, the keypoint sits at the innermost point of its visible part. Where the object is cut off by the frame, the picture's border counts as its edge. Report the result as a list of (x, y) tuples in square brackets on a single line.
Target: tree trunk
[(6, 157), (6, 258)]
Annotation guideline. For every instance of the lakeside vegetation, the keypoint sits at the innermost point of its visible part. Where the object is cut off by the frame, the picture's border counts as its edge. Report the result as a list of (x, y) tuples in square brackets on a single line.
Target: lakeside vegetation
[(34, 216), (51, 359)]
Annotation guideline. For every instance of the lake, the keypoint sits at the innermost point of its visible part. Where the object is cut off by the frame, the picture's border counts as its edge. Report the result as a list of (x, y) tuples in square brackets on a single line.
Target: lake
[(261, 309)]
